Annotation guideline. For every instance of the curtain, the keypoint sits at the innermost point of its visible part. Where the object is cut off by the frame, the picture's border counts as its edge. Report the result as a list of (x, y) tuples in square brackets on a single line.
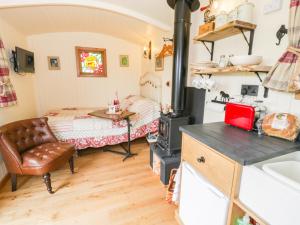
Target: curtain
[(7, 93), (285, 75)]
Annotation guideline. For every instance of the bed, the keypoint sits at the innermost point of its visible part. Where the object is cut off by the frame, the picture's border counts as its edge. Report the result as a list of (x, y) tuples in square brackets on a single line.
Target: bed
[(74, 125)]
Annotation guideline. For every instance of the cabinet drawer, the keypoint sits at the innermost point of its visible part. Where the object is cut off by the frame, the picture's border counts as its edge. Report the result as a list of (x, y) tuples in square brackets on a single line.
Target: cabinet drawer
[(218, 169)]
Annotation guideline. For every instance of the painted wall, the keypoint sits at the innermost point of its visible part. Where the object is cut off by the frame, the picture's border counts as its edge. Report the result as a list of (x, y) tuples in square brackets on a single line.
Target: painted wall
[(166, 73), (264, 44), (24, 85), (62, 88)]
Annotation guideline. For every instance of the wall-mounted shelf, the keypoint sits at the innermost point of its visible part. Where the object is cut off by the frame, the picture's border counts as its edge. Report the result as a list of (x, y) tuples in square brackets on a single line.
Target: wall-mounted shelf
[(234, 69), (231, 69), (230, 29)]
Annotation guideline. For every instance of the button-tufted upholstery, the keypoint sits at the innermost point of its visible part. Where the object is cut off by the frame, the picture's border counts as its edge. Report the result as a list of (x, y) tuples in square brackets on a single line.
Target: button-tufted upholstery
[(29, 147), (45, 157), (27, 134)]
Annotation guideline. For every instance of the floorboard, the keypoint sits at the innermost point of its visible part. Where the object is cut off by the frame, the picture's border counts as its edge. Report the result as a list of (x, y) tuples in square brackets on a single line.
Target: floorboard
[(103, 191)]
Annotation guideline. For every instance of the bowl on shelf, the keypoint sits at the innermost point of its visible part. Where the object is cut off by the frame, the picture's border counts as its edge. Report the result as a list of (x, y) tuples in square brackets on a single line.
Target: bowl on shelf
[(245, 60)]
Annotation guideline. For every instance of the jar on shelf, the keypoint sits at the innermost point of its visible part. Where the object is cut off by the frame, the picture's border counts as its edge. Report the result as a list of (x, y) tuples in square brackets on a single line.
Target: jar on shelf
[(223, 62), (221, 19), (245, 12), (233, 15)]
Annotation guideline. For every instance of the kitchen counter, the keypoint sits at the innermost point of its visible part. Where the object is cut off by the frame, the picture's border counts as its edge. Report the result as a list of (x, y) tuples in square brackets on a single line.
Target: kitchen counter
[(241, 146)]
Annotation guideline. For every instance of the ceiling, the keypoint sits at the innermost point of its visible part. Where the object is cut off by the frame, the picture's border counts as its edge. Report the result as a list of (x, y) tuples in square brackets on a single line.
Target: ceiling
[(155, 9), (132, 20)]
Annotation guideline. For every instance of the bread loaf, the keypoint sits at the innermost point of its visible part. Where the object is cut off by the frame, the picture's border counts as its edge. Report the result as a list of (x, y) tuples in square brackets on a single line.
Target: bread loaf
[(282, 125)]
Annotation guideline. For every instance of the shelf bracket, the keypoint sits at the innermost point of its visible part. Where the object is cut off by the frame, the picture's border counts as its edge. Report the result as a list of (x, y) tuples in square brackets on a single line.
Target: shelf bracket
[(257, 74), (249, 41), (211, 49), (266, 90)]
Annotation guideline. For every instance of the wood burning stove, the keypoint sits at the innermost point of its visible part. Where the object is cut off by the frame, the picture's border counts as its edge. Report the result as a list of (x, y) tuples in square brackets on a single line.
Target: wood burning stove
[(169, 139), (168, 145)]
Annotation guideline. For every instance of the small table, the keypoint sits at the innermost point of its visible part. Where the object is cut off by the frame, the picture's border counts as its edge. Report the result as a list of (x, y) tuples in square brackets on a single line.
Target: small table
[(125, 115)]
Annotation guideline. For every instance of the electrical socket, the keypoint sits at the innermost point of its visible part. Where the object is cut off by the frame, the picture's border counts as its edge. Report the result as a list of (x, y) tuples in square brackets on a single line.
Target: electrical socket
[(250, 90)]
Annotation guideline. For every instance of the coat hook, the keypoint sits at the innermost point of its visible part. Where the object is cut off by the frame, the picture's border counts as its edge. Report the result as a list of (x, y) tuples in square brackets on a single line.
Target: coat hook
[(281, 33), (167, 39)]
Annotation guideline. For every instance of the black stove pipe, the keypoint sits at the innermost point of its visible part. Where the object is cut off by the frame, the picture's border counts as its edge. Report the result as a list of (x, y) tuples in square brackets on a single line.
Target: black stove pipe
[(183, 9)]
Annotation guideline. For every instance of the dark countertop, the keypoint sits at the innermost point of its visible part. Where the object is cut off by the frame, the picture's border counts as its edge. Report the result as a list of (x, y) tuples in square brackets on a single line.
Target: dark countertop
[(241, 146)]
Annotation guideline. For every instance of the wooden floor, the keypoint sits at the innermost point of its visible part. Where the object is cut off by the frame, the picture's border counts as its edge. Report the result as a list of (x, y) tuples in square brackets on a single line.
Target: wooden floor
[(103, 191)]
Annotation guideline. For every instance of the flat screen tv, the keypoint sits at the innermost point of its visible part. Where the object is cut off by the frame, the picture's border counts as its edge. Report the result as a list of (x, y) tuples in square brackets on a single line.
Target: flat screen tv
[(23, 61)]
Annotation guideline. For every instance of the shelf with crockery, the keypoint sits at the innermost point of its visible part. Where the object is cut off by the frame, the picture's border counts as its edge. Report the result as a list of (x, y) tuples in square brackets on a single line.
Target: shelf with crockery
[(230, 69), (229, 29), (256, 69)]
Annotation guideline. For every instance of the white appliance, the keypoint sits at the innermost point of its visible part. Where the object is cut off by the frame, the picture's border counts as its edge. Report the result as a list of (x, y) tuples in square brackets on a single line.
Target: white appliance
[(200, 202)]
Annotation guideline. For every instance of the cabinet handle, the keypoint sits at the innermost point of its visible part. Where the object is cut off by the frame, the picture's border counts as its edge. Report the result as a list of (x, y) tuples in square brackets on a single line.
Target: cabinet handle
[(201, 160)]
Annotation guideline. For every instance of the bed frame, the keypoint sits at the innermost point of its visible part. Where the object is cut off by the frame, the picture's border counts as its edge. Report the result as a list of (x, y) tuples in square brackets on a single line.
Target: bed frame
[(151, 87)]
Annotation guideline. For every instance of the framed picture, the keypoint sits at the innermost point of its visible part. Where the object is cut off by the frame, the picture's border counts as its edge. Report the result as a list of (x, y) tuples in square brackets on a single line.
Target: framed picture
[(124, 60), (53, 63), (159, 63), (91, 62)]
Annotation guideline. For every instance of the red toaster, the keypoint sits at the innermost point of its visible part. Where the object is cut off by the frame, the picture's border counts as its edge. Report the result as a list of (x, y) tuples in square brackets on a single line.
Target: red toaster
[(238, 115)]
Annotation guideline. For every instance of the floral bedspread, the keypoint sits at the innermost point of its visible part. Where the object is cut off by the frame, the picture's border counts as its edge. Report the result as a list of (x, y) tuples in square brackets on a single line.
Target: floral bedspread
[(74, 125)]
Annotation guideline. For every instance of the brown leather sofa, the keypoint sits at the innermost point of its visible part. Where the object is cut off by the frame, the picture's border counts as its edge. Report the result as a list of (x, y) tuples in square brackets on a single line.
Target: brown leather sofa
[(29, 147)]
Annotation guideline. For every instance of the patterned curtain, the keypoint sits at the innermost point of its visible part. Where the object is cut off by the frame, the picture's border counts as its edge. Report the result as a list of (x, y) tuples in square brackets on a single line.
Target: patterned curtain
[(7, 93), (285, 75)]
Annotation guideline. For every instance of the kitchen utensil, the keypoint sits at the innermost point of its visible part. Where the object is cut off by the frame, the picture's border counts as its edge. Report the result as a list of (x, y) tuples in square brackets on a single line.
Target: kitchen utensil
[(239, 115), (245, 60)]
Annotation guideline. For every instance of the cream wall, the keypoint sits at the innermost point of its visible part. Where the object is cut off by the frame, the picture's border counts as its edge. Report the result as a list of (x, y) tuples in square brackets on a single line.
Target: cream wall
[(24, 85), (166, 73), (264, 44), (62, 88)]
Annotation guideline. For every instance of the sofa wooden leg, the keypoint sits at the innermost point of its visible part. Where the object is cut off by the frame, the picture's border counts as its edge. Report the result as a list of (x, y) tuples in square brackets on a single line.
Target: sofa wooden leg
[(13, 178), (71, 163), (47, 181)]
